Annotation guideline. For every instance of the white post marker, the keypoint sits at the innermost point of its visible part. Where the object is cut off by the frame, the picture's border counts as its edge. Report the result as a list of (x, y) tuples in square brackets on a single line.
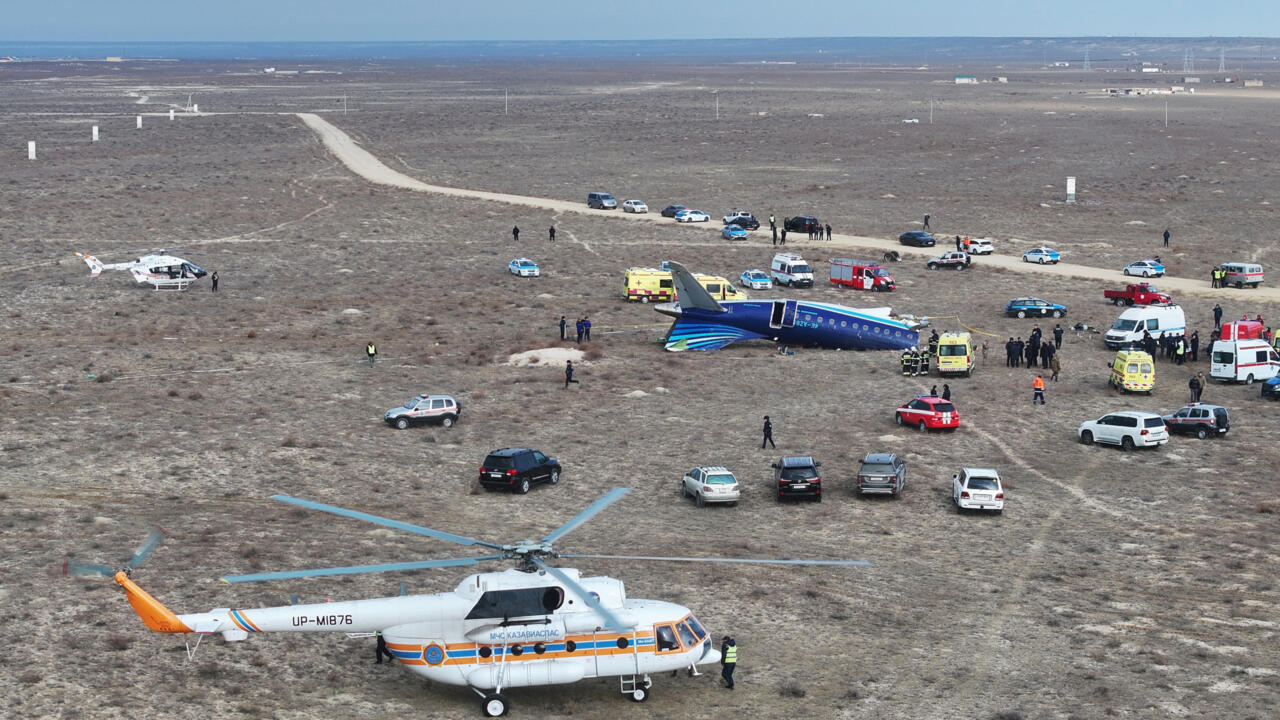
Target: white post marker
[(195, 108), (1071, 189), (31, 149), (95, 133), (139, 122), (170, 113)]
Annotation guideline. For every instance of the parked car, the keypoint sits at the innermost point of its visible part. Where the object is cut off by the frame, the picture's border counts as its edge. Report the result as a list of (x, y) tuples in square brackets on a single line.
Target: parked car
[(756, 280), (1199, 419), (977, 489), (803, 223), (952, 259), (1145, 268), (1271, 388), (736, 214), (524, 267), (1137, 294), (981, 246), (882, 473), (442, 409), (517, 469), (734, 232), (710, 484), (692, 216), (634, 206), (601, 201), (797, 477), (747, 222), (928, 412), (671, 210), (1041, 255), (1033, 307), (918, 238), (1128, 429)]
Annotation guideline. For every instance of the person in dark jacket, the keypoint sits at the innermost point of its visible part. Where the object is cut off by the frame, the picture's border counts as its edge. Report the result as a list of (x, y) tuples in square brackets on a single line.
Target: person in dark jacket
[(1195, 387), (1032, 351), (946, 391), (515, 233), (729, 659), (1195, 345), (568, 373), (578, 326), (214, 279), (1217, 316), (586, 329), (563, 336), (551, 232), (381, 650), (828, 233), (1057, 337), (371, 351), (768, 434)]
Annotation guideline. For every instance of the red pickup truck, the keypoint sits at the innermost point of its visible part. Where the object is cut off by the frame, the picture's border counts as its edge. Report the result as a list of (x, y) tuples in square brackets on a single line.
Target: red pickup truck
[(1136, 294)]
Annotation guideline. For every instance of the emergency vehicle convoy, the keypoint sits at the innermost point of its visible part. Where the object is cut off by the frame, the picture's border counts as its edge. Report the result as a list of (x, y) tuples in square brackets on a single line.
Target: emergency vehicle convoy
[(861, 275), (654, 285), (1137, 294)]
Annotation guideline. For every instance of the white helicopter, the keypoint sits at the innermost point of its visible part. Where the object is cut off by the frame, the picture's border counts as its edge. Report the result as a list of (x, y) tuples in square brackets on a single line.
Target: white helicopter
[(163, 271), (532, 625)]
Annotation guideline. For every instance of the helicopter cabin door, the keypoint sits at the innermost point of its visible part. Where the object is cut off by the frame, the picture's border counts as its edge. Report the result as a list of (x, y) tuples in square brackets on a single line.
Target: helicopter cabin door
[(616, 653)]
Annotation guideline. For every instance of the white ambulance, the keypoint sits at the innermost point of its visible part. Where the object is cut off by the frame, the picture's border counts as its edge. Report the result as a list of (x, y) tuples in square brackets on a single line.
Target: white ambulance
[(1167, 320), (1243, 361), (791, 270)]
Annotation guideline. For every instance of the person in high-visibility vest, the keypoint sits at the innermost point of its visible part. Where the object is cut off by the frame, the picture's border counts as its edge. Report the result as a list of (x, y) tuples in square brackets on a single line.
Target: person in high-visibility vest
[(729, 659), (1038, 387), (372, 351), (381, 649)]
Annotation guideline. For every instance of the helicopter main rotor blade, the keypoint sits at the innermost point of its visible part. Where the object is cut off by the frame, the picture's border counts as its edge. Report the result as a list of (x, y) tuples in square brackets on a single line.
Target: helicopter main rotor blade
[(378, 520), (87, 569), (611, 621), (591, 510), (358, 569), (146, 548), (740, 561)]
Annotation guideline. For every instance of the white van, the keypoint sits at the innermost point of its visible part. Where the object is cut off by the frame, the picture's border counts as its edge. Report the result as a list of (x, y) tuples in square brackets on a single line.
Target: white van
[(1241, 274), (1243, 361), (791, 270), (1155, 319)]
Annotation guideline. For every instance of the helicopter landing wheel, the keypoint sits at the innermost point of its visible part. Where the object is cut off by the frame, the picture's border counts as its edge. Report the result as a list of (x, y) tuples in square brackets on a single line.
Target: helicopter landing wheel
[(640, 694), (494, 705)]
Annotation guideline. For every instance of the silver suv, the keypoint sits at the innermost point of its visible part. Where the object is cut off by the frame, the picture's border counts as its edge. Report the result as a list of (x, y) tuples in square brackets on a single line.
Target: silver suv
[(882, 473), (441, 409), (601, 201)]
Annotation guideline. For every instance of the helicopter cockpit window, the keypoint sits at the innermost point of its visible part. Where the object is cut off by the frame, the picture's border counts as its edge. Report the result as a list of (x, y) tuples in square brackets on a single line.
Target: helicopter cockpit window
[(696, 626), (666, 638), (686, 635), (523, 602)]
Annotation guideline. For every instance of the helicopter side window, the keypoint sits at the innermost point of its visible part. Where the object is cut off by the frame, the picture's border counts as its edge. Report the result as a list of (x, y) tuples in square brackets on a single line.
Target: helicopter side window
[(686, 635), (523, 602), (666, 638), (697, 628)]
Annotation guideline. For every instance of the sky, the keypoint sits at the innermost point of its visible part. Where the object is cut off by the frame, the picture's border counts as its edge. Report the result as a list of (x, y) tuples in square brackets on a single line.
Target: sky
[(542, 20)]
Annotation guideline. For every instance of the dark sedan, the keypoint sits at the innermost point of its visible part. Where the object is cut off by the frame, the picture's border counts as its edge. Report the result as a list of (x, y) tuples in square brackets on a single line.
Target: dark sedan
[(746, 222), (671, 210), (918, 238), (803, 223)]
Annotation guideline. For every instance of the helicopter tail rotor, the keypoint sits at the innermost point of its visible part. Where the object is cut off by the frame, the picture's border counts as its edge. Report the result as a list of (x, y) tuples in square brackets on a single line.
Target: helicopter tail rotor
[(148, 546)]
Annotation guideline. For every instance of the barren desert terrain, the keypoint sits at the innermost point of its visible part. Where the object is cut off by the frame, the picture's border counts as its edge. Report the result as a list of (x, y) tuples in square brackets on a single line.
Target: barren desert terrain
[(1133, 585)]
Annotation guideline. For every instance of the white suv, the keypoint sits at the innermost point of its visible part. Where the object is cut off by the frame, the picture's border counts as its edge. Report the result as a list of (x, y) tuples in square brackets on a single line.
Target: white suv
[(1128, 429), (977, 489), (712, 484)]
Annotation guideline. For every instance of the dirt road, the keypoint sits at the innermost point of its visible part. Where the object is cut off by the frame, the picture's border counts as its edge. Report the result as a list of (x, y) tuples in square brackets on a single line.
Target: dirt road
[(364, 164)]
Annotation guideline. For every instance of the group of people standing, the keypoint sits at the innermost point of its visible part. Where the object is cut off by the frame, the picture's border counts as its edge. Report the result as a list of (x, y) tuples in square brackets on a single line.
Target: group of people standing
[(1017, 352), (582, 328), (551, 233), (1174, 349)]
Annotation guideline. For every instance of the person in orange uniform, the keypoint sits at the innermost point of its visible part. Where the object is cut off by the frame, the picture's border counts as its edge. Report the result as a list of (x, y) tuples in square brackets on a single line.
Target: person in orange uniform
[(1038, 387)]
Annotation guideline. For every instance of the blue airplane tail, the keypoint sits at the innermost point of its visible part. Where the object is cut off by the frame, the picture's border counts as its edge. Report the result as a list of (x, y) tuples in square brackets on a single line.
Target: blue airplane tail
[(686, 334)]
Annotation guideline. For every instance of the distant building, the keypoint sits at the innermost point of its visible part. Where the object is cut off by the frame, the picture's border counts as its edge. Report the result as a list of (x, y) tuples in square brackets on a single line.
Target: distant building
[(1060, 63), (1000, 79), (115, 59), (1150, 69), (1253, 83), (966, 80), (1190, 80)]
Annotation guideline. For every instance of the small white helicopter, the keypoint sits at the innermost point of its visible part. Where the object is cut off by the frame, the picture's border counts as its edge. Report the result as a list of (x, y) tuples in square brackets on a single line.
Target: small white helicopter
[(163, 271), (532, 625)]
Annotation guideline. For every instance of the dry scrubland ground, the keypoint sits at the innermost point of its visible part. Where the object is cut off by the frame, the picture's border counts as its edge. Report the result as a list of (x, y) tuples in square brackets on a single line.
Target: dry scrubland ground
[(1130, 585)]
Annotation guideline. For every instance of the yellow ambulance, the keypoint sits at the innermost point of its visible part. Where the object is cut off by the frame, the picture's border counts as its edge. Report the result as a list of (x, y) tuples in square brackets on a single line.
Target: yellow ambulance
[(955, 353), (1134, 371), (654, 285)]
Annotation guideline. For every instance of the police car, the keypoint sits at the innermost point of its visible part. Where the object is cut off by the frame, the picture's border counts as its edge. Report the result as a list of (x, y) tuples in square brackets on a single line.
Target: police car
[(756, 280), (524, 267), (1199, 419), (442, 409), (928, 412)]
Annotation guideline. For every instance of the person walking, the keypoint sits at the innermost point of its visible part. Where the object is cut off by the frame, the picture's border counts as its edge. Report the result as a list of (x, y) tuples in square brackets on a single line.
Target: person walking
[(926, 221), (1217, 316), (1057, 337), (729, 660), (773, 224), (372, 351), (381, 649), (1199, 385), (768, 434), (515, 233), (784, 237), (946, 391), (568, 373), (1166, 237), (1037, 387), (214, 279), (1056, 366), (828, 232), (551, 233), (563, 336), (1193, 385), (958, 244), (586, 329)]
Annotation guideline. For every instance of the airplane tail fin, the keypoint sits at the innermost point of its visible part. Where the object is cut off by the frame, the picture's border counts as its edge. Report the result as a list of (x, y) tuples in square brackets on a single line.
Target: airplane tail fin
[(690, 292), (154, 615), (95, 267)]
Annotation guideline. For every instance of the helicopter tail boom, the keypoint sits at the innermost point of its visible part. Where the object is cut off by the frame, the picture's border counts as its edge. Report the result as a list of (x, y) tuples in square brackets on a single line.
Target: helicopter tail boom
[(154, 614)]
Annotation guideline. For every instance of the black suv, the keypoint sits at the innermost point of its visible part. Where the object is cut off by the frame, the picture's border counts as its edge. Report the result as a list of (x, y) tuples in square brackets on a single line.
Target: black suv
[(747, 222), (517, 469), (882, 473), (803, 223), (797, 477)]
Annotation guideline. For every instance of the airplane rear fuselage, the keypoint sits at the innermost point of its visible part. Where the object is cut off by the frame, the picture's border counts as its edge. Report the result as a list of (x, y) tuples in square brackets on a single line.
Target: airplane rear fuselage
[(790, 322)]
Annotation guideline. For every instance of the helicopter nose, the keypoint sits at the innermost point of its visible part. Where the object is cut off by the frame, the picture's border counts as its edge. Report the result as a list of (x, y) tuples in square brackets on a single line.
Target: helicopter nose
[(709, 655)]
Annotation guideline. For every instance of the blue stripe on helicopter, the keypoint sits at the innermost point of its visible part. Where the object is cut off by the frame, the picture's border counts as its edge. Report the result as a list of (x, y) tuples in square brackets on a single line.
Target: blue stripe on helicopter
[(243, 623), (498, 650)]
